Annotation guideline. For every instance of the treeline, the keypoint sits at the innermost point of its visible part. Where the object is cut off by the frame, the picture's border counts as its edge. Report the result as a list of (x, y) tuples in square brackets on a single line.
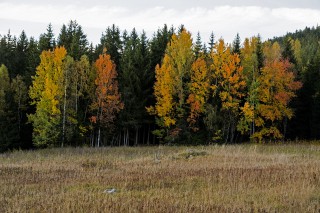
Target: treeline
[(131, 90)]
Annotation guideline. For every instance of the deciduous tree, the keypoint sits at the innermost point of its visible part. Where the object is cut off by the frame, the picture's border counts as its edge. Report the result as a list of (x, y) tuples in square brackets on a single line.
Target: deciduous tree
[(229, 86), (171, 87), (47, 94), (198, 91), (107, 102), (277, 88)]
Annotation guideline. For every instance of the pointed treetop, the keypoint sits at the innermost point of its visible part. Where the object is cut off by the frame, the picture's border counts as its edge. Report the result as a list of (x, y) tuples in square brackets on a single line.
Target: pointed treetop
[(236, 45), (211, 41), (198, 45)]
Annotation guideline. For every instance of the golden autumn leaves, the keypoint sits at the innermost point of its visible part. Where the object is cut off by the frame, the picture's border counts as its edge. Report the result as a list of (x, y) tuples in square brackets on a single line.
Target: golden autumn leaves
[(59, 80), (223, 91), (246, 97), (46, 94)]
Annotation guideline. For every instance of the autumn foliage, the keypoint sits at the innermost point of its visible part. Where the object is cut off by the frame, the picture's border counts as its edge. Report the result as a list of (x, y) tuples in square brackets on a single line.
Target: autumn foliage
[(46, 94), (223, 93), (106, 102), (277, 88), (249, 93), (199, 91)]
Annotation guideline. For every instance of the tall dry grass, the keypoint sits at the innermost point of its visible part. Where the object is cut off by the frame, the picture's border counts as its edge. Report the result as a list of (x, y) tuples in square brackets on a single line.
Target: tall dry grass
[(232, 178)]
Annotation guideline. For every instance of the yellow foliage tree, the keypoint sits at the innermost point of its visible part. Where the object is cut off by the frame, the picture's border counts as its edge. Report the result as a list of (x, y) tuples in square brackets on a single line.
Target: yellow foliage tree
[(171, 86), (199, 91), (46, 94)]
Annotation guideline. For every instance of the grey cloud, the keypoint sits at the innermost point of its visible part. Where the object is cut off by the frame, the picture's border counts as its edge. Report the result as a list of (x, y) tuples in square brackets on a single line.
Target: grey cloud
[(180, 4)]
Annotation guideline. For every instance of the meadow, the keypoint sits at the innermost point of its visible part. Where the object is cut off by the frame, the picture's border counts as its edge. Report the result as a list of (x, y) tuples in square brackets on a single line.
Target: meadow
[(217, 178)]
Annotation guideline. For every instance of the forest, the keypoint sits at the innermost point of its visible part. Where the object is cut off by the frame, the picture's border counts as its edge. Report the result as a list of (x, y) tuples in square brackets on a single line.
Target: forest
[(172, 88)]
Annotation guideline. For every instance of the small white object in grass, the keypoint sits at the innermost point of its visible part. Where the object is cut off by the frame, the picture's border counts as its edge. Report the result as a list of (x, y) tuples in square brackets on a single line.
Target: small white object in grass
[(109, 191)]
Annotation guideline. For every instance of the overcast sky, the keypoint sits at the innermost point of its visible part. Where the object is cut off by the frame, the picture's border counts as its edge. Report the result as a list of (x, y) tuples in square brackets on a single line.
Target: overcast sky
[(224, 18)]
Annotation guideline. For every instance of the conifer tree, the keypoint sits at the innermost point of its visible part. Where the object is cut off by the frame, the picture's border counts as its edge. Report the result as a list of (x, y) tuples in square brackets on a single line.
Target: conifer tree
[(198, 45), (211, 42), (74, 40), (47, 40), (236, 45)]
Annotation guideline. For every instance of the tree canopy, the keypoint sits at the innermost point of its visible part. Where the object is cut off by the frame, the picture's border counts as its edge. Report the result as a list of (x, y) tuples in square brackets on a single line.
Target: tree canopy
[(171, 88)]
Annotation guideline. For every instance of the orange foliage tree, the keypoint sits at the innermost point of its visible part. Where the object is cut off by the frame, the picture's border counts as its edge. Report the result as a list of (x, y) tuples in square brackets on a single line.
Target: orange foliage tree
[(276, 86), (106, 102)]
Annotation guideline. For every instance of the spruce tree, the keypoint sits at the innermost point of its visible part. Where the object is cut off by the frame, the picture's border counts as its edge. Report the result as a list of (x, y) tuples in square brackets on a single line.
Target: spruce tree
[(236, 45), (47, 40)]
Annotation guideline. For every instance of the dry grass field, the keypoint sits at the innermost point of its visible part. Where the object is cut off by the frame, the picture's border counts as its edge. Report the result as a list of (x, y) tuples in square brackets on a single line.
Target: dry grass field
[(231, 178)]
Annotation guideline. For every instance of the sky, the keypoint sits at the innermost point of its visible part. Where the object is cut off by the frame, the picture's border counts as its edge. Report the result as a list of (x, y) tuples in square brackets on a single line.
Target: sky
[(224, 18)]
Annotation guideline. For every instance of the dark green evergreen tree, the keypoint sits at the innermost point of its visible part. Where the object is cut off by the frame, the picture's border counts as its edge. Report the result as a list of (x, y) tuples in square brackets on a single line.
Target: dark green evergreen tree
[(198, 45), (288, 52), (211, 41), (236, 45), (47, 40), (111, 41), (74, 40), (8, 46), (259, 53), (158, 45), (134, 85), (21, 55), (32, 60)]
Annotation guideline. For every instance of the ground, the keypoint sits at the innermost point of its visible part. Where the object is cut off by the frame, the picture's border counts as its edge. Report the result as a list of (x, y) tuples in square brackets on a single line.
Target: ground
[(220, 178)]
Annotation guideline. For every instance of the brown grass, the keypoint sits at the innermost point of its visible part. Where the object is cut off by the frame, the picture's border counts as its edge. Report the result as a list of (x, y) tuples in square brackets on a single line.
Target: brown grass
[(233, 178)]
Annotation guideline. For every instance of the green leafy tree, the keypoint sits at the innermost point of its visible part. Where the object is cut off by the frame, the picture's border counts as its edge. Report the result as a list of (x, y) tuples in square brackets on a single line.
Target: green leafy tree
[(250, 56)]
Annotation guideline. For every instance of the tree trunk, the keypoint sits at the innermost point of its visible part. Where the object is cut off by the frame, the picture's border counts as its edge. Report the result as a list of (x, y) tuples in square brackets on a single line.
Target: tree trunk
[(148, 139), (92, 138), (124, 137), (76, 99), (137, 136), (99, 124), (64, 114), (19, 112), (99, 135), (154, 139), (143, 134), (127, 142), (285, 128)]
